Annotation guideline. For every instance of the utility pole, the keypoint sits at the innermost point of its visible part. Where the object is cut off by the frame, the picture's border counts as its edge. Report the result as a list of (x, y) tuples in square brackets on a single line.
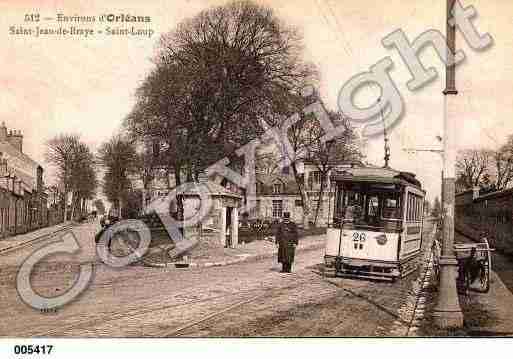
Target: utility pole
[(447, 313), (385, 136)]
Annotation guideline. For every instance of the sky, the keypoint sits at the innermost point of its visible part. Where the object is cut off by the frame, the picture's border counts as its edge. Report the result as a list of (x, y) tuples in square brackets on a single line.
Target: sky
[(55, 85)]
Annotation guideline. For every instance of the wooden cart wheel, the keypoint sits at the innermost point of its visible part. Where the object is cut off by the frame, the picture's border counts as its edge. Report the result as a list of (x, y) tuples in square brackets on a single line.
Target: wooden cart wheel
[(484, 277)]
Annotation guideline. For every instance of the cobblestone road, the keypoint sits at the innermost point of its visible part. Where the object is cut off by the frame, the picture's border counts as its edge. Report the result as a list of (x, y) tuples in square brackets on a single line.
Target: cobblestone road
[(247, 299)]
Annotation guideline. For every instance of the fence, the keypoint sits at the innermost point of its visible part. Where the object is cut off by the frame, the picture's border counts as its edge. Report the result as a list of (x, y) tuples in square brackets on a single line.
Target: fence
[(25, 213)]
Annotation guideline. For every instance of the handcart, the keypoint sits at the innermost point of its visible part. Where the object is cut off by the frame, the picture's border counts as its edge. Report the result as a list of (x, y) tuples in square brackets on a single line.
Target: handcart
[(474, 265)]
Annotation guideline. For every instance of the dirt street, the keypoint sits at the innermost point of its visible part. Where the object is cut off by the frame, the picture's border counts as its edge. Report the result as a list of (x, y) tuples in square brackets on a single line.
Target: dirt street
[(247, 299)]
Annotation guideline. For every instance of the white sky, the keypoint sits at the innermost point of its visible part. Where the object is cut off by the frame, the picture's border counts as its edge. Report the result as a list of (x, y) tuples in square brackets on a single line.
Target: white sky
[(81, 85)]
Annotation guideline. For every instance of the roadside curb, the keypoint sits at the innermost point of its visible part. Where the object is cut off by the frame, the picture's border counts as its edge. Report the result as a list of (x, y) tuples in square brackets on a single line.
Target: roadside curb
[(242, 258), (412, 311), (35, 240)]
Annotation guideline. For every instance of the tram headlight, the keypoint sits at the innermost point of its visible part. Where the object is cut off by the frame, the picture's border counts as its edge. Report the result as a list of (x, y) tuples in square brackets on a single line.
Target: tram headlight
[(381, 239)]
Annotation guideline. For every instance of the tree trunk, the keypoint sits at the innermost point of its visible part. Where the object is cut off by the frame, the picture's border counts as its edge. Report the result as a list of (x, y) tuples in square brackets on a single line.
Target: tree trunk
[(179, 199), (72, 205), (66, 195), (304, 196), (84, 205), (143, 205), (120, 206), (189, 174), (319, 199), (168, 180)]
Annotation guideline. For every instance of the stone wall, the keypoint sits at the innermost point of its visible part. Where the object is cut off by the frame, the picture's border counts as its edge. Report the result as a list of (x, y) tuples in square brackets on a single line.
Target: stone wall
[(492, 213)]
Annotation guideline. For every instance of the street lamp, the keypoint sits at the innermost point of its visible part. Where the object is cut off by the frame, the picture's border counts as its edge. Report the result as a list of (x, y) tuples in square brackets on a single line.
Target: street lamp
[(447, 313)]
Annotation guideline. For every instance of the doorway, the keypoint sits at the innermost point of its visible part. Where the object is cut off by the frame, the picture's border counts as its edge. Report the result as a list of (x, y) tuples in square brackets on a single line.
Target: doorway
[(229, 229)]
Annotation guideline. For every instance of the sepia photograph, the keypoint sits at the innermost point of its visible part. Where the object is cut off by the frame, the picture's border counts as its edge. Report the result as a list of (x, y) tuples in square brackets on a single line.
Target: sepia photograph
[(254, 169)]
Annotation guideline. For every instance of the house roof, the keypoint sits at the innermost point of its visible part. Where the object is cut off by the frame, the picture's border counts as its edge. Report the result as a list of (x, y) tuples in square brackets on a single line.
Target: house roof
[(19, 162), (6, 147), (214, 189), (267, 182), (350, 163)]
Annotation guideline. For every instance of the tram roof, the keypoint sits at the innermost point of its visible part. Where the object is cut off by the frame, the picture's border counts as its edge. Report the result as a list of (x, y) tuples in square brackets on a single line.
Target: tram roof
[(375, 174)]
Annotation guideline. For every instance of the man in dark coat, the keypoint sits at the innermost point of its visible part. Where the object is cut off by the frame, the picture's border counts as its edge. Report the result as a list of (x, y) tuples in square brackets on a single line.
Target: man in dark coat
[(286, 237)]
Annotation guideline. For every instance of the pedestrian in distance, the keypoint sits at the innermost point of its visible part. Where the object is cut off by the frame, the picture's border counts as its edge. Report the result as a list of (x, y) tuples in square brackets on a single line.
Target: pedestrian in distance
[(287, 240)]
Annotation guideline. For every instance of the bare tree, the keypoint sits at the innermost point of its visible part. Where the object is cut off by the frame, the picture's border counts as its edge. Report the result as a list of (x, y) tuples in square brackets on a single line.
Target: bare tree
[(267, 164), (119, 158), (216, 76), (74, 164), (427, 207), (299, 135), (436, 210), (472, 165), (59, 154), (326, 155), (145, 167), (83, 178), (503, 161)]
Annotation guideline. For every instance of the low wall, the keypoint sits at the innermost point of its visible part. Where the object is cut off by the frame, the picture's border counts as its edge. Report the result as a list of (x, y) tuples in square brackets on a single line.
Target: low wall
[(491, 213)]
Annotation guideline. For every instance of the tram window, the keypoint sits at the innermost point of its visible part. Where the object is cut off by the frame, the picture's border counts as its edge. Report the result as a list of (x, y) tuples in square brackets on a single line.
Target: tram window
[(408, 208), (352, 206), (414, 210), (410, 215), (373, 206), (391, 206), (390, 203)]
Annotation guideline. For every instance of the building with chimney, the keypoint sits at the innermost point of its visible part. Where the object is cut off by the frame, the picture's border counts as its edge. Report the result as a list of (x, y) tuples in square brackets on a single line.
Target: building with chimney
[(23, 204)]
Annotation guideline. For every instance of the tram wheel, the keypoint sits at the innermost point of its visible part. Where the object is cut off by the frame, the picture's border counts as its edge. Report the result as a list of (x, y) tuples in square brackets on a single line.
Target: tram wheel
[(484, 278)]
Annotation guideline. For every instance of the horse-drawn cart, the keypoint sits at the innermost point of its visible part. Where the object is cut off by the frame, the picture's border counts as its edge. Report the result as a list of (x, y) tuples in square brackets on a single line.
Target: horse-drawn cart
[(474, 264)]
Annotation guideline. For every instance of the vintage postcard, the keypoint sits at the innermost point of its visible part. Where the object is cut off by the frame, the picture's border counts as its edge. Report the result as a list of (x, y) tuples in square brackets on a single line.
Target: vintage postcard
[(255, 168)]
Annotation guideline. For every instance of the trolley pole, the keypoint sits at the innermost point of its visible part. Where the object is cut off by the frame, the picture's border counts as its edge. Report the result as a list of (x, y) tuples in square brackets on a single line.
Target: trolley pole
[(447, 313)]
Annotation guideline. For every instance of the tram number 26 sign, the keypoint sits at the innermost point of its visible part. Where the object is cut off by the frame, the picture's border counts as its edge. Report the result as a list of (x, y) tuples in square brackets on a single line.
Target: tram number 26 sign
[(359, 237), (358, 240)]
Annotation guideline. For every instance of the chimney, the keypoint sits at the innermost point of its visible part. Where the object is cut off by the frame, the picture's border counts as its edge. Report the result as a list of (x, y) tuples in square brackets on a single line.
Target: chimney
[(475, 193), (15, 138), (39, 183)]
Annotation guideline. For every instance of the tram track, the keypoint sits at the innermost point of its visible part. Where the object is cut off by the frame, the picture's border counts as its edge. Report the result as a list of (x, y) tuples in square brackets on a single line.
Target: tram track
[(427, 271), (34, 240), (121, 315), (87, 324), (267, 293), (409, 323), (229, 306), (370, 301)]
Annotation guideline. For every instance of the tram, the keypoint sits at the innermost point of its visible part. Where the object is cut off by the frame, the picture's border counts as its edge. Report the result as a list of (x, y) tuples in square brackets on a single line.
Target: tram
[(376, 226)]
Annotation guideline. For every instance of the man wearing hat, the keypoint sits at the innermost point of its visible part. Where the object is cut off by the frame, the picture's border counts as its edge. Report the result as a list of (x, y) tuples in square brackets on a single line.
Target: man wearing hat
[(286, 238)]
